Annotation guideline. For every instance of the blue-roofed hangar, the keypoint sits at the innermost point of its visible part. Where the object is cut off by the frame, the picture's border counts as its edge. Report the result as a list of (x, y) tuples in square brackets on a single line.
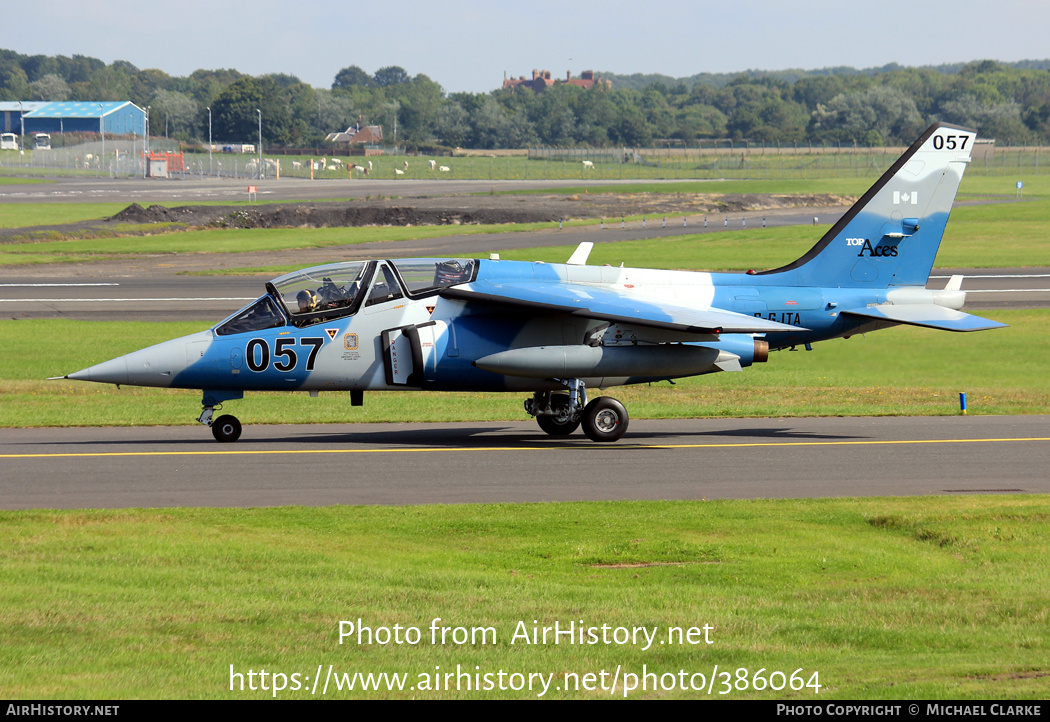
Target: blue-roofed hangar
[(112, 117)]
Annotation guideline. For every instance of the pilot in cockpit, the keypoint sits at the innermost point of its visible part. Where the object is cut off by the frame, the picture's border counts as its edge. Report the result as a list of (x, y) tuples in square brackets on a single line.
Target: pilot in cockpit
[(307, 300)]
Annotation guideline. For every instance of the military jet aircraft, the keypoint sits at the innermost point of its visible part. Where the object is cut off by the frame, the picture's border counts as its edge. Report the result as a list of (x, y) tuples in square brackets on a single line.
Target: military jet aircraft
[(557, 330)]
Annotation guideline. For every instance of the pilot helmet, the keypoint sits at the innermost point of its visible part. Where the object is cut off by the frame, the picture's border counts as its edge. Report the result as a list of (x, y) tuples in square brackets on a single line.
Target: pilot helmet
[(307, 300)]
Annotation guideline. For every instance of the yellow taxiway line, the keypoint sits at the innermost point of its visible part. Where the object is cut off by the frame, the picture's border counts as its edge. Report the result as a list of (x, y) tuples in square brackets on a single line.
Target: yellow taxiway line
[(604, 447)]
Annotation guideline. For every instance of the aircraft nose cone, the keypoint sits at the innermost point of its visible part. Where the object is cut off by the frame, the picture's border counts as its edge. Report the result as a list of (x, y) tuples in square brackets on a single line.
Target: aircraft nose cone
[(154, 366), (114, 371)]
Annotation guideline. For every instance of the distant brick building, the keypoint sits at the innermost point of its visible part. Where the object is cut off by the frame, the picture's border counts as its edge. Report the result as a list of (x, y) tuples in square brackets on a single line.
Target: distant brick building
[(586, 80), (541, 80), (360, 140)]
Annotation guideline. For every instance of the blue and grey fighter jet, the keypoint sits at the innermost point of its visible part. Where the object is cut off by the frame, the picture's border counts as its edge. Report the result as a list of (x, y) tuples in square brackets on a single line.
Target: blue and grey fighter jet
[(556, 330)]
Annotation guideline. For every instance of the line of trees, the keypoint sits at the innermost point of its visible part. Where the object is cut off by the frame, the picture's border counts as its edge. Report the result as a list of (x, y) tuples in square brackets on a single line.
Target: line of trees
[(1009, 102)]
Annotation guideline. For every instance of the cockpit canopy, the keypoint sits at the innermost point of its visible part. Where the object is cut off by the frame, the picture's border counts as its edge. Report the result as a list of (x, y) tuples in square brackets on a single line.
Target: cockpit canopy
[(335, 290)]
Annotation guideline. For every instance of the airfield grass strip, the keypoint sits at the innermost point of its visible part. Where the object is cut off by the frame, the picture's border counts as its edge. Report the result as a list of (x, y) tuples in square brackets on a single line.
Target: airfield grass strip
[(1010, 235), (903, 598), (902, 371), (1002, 234)]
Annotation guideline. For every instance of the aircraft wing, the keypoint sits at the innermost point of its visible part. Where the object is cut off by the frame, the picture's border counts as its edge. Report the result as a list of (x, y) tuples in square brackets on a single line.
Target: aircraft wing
[(606, 304), (926, 315)]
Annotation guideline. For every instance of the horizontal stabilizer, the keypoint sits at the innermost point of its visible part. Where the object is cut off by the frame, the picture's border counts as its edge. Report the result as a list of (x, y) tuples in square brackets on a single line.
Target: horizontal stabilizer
[(606, 304), (579, 256), (926, 315)]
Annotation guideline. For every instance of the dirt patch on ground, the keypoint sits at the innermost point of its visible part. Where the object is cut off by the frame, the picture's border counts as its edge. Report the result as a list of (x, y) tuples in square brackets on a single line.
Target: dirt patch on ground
[(437, 210), (326, 215), (462, 210)]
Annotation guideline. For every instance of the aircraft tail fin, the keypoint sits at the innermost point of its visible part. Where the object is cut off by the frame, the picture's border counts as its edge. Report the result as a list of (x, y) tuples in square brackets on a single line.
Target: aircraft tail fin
[(891, 235)]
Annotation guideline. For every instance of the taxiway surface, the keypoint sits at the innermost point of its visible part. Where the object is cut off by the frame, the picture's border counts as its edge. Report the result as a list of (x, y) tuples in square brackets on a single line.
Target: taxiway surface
[(210, 299), (515, 462)]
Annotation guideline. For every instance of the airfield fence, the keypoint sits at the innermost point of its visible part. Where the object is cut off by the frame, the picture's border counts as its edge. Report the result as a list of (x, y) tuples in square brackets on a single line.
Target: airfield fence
[(122, 157), (723, 159), (117, 157)]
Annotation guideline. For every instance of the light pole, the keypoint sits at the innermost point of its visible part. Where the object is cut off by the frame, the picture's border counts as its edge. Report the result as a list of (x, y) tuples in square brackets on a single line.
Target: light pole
[(209, 142), (22, 134), (395, 106), (260, 143), (102, 130), (145, 143)]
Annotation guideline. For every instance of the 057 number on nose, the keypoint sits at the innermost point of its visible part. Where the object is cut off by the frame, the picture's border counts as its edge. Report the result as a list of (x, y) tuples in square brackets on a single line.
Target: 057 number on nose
[(257, 353)]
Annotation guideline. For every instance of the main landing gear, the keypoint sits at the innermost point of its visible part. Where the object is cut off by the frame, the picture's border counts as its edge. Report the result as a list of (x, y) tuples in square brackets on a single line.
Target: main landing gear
[(559, 413), (226, 428)]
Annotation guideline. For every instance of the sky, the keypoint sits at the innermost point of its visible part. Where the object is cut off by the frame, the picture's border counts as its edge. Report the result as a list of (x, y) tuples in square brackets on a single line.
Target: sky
[(468, 45)]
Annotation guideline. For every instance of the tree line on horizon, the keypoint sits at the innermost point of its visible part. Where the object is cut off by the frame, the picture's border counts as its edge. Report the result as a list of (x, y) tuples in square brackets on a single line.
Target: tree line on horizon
[(890, 105)]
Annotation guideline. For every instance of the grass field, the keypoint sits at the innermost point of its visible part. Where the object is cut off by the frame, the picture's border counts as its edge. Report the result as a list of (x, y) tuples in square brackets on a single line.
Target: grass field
[(7, 181), (219, 241), (974, 240), (921, 598), (998, 234), (20, 215)]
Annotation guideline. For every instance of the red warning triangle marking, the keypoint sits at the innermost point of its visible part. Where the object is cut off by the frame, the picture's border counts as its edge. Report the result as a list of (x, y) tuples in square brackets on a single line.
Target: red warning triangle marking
[(331, 333)]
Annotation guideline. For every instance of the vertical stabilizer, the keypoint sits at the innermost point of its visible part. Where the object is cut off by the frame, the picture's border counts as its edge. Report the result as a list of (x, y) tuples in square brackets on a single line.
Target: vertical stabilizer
[(891, 235)]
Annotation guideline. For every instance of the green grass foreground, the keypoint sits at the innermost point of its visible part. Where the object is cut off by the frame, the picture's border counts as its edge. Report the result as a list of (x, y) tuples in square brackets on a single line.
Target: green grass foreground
[(901, 371), (910, 598)]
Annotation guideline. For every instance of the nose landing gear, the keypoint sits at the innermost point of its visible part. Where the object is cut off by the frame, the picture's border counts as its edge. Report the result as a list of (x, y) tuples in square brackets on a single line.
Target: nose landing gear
[(226, 428)]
